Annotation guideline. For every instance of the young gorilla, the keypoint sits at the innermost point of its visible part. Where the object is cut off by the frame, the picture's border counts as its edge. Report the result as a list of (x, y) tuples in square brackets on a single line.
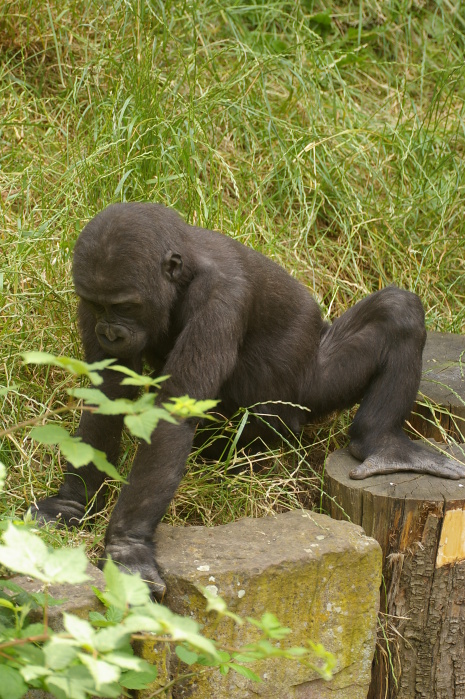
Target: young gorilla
[(225, 322)]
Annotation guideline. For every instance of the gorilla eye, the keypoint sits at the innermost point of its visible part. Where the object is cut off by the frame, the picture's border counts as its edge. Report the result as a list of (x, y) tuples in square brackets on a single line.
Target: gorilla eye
[(125, 308), (96, 307)]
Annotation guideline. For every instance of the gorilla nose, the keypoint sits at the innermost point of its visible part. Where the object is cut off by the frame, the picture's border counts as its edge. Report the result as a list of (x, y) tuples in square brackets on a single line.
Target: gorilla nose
[(111, 332)]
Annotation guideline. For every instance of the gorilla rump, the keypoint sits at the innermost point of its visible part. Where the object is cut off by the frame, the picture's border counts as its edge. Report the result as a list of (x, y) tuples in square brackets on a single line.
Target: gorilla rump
[(225, 322)]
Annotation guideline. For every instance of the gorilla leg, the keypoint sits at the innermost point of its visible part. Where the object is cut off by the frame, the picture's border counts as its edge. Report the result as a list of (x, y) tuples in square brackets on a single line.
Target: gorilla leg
[(372, 355)]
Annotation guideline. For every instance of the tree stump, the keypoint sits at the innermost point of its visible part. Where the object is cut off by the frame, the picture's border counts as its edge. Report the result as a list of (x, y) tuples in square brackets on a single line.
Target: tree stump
[(419, 521)]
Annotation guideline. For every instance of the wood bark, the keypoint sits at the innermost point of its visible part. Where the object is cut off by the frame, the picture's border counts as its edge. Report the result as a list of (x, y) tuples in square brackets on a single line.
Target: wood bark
[(419, 522)]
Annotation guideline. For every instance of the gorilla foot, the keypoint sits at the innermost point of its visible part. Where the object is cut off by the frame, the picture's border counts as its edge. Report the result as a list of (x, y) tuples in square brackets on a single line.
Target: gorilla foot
[(406, 456), (54, 509), (134, 556)]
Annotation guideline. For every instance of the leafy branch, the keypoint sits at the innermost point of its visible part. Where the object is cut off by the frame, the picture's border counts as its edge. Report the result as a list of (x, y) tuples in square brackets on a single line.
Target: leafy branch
[(95, 657), (141, 416)]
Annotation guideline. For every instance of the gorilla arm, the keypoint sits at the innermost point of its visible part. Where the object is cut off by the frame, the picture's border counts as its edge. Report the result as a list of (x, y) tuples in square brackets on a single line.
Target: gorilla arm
[(103, 432), (198, 365)]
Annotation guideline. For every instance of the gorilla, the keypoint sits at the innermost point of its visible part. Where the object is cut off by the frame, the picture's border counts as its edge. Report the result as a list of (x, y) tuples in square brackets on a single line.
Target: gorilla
[(227, 323)]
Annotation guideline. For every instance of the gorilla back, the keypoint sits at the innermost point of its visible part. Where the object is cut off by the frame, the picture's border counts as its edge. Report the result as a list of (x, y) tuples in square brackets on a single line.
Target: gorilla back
[(225, 322)]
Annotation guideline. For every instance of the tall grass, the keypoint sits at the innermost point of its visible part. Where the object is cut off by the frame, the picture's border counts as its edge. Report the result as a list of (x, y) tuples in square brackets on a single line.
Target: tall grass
[(329, 136)]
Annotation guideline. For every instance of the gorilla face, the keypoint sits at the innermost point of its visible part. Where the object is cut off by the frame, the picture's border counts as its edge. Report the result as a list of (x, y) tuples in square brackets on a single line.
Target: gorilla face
[(118, 325)]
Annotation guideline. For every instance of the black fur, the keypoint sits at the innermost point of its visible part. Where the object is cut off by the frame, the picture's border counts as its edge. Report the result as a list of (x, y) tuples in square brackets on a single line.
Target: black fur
[(226, 322)]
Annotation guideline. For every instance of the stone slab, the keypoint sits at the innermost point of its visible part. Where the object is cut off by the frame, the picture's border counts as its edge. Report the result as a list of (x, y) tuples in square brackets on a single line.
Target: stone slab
[(440, 408), (320, 577), (443, 377), (77, 599)]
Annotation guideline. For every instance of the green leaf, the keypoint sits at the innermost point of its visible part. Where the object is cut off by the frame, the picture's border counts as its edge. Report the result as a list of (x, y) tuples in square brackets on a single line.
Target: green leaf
[(245, 672), (184, 406), (31, 654), (49, 434), (100, 365), (98, 619), (271, 626), (119, 406), (12, 685), (124, 406), (92, 396), (135, 379), (75, 683), (42, 599), (143, 425), (124, 590), (24, 552), (135, 623), (38, 358), (138, 680), (33, 672), (187, 656), (74, 449), (194, 639), (100, 461), (77, 452), (215, 603), (80, 629), (144, 402), (103, 673), (297, 652), (63, 688), (111, 638), (128, 661), (112, 615), (73, 366), (60, 652), (67, 565)]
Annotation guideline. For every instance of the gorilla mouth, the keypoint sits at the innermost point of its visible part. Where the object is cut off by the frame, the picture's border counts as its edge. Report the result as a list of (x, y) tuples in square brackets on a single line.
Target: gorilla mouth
[(120, 347)]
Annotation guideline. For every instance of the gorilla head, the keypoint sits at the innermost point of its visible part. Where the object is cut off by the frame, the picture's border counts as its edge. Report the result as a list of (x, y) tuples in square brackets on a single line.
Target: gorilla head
[(126, 275)]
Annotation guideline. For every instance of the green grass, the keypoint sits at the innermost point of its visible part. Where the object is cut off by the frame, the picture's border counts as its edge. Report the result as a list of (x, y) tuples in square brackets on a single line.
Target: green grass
[(329, 136)]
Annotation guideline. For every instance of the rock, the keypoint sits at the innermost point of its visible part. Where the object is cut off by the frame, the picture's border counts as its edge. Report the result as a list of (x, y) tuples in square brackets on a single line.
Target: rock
[(78, 599), (320, 577), (443, 387)]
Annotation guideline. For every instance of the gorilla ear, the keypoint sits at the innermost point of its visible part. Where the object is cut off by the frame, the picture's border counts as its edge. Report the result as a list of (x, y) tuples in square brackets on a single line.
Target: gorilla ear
[(172, 265)]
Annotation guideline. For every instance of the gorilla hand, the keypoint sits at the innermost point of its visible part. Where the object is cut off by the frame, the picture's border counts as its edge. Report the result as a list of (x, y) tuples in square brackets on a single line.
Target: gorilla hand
[(136, 556)]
